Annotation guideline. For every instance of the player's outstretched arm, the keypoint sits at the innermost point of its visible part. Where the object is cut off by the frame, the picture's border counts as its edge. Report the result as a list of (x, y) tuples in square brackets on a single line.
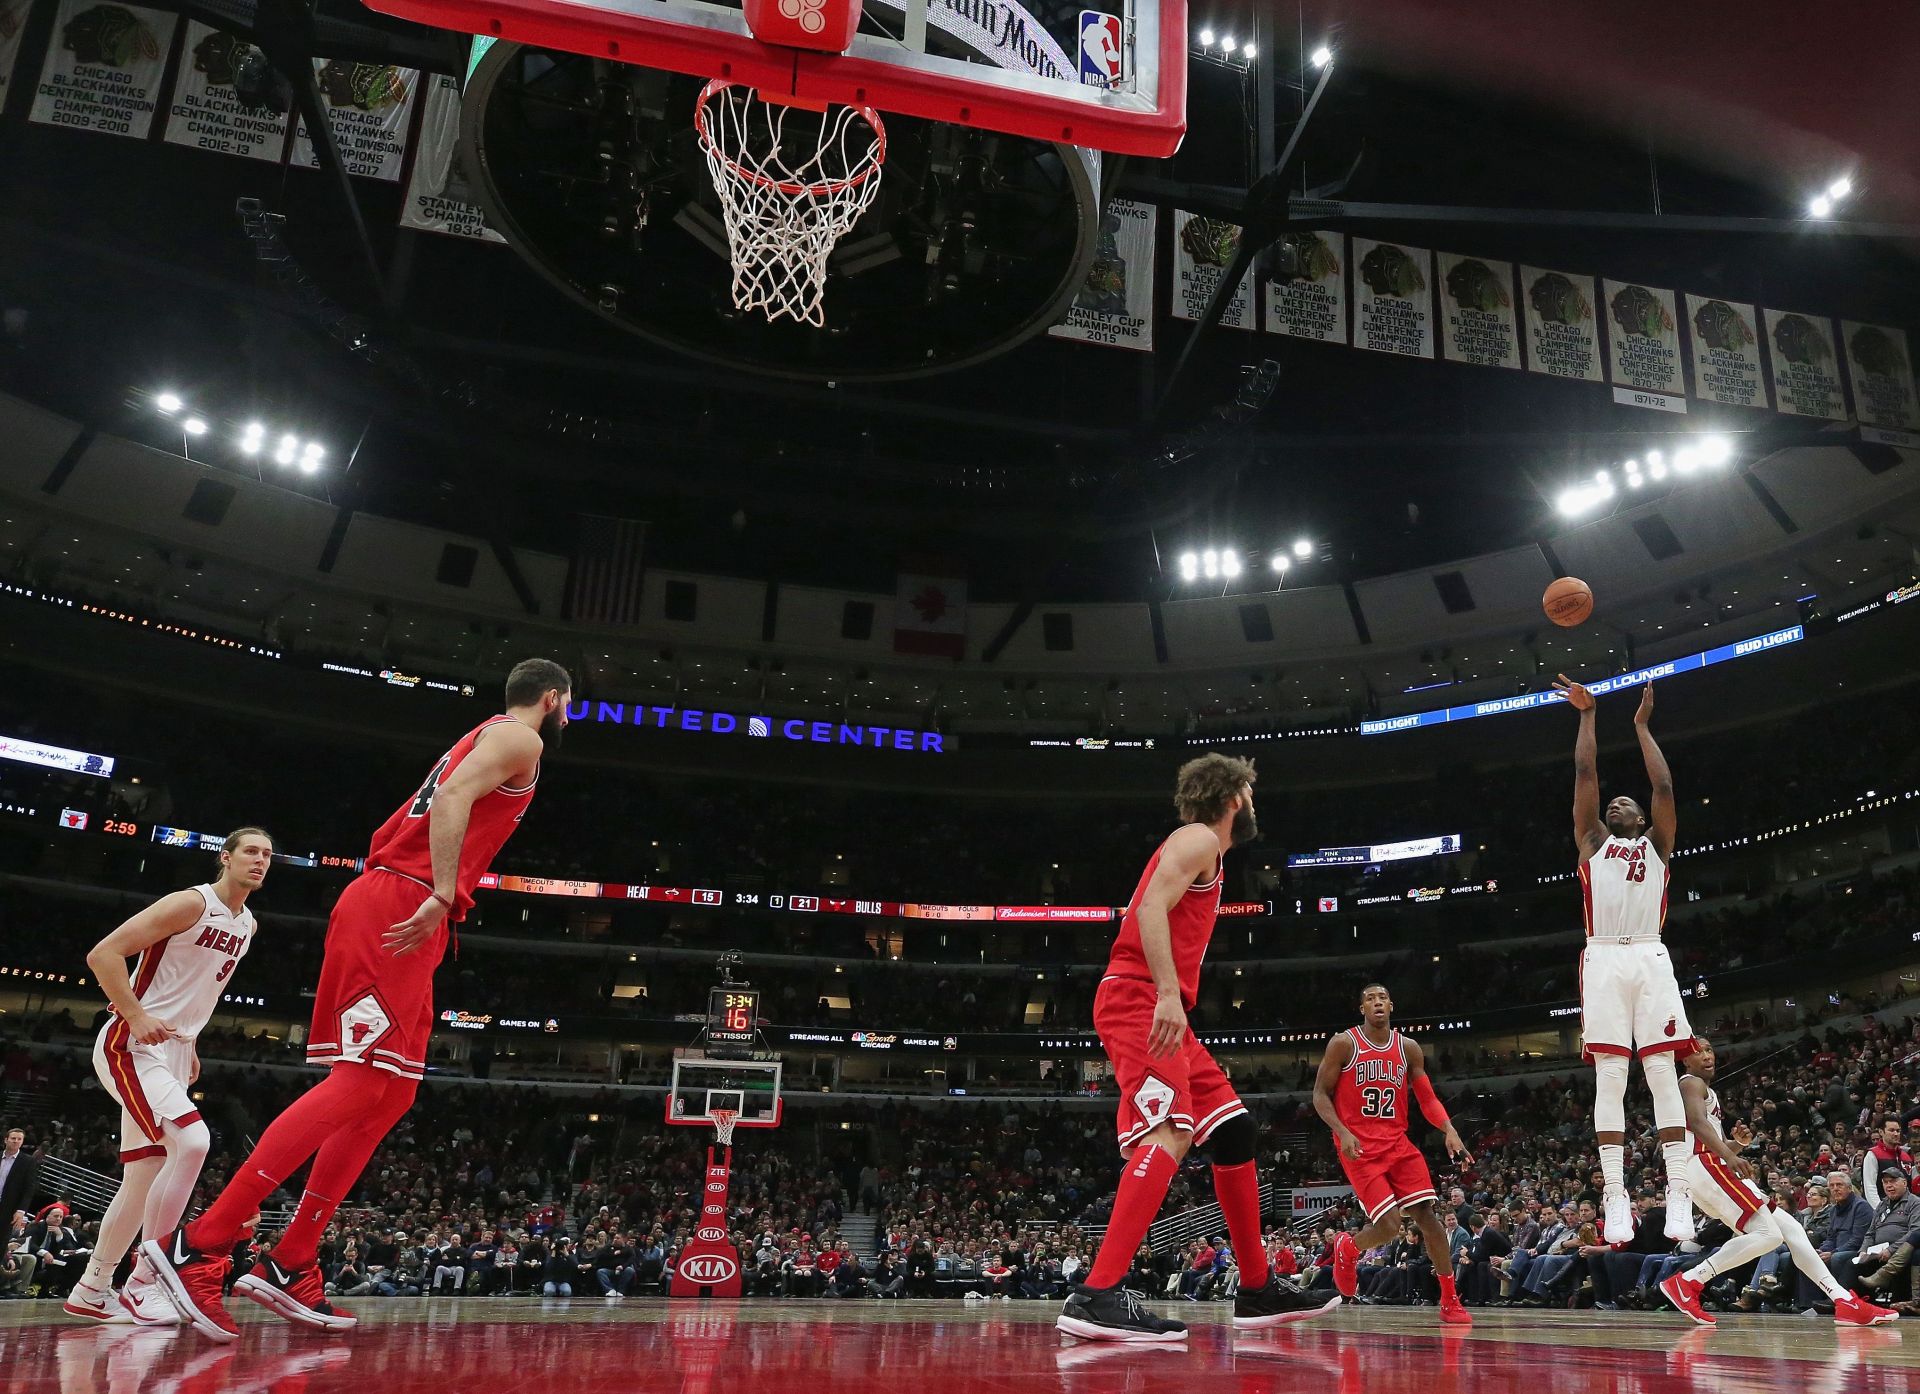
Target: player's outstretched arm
[(170, 915), (1588, 831), (508, 753), (1188, 855), (1339, 1055), (1431, 1108), (1665, 819), (1693, 1093)]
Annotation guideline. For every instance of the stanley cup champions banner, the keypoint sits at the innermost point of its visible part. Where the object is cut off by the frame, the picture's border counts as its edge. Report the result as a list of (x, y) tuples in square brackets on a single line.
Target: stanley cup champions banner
[(1202, 247), (369, 106), (1114, 305), (438, 197), (103, 68)]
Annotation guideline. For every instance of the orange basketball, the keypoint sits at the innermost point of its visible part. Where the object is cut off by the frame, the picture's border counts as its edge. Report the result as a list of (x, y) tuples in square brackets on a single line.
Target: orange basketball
[(1568, 601)]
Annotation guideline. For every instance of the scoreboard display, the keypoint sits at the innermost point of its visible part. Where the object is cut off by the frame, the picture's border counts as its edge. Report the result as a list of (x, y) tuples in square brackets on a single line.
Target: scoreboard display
[(731, 1015)]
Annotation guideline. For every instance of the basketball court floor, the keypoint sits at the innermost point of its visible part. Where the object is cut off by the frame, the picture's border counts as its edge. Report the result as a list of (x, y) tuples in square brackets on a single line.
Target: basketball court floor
[(529, 1346)]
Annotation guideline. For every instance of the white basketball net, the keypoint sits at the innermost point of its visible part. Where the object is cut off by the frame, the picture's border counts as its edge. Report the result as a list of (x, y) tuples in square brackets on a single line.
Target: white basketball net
[(723, 1121), (787, 197)]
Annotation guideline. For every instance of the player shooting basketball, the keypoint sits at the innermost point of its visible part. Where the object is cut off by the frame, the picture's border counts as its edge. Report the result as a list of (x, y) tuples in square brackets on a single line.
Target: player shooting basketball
[(1629, 1000)]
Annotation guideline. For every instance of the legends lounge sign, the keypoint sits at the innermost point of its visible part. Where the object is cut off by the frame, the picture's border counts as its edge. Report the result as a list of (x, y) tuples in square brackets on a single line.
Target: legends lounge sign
[(718, 723)]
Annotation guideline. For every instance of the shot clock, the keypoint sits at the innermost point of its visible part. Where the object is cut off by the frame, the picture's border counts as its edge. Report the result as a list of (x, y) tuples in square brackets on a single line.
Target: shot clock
[(731, 1015)]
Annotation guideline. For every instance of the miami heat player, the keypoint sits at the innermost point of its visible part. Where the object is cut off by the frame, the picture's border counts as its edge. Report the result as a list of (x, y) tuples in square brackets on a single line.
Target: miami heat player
[(373, 1011), (1361, 1092), (1628, 997), (188, 944), (1172, 1093), (1723, 1185)]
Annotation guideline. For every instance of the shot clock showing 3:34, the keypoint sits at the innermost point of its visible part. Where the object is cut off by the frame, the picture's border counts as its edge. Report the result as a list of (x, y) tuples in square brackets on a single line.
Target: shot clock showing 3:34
[(732, 1014)]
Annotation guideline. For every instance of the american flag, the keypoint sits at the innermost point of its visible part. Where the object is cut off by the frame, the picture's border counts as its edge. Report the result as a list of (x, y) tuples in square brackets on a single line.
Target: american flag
[(603, 580)]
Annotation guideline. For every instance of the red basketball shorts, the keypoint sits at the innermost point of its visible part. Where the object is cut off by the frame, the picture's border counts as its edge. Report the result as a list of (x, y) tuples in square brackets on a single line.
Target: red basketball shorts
[(373, 1007), (1387, 1174), (1187, 1088)]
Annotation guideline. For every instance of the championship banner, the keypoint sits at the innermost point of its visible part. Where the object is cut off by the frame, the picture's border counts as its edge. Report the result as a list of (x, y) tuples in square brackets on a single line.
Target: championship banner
[(1202, 247), (1806, 370), (438, 196), (1726, 352), (1115, 304), (1476, 312), (13, 24), (1392, 298), (368, 106), (1880, 365), (1643, 347), (1563, 338), (1311, 303), (104, 66), (207, 113)]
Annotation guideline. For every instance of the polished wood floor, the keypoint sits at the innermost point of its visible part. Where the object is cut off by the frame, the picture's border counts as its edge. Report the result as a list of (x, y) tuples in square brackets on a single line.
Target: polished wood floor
[(592, 1346)]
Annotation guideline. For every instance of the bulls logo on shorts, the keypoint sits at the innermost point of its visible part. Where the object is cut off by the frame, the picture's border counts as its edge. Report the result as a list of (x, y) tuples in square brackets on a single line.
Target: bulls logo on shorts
[(362, 1026), (1154, 1100)]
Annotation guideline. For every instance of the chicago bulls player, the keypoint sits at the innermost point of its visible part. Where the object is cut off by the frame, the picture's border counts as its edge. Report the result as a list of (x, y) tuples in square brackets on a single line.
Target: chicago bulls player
[(1361, 1092), (373, 1011), (188, 944), (1724, 1187), (1628, 997), (1172, 1093)]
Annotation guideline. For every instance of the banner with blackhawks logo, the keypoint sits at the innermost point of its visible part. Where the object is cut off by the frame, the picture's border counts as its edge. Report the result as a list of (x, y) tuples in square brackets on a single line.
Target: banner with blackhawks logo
[(1202, 247), (104, 68)]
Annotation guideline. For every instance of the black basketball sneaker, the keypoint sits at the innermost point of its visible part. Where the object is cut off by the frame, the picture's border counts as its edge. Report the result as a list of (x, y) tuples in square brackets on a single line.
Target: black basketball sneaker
[(1278, 1303), (1114, 1314)]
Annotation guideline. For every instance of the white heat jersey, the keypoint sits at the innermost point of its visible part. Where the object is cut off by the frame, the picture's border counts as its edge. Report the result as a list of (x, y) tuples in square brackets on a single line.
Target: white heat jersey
[(1624, 886), (1714, 1121), (180, 978)]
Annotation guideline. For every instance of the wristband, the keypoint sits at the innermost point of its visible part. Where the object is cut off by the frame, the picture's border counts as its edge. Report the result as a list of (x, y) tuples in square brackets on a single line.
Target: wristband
[(443, 900)]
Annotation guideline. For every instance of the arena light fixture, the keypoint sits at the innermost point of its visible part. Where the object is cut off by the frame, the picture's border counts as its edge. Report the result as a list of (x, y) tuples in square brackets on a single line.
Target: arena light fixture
[(1839, 188), (168, 403), (194, 426), (1206, 38), (1716, 450), (1189, 566), (1226, 43), (1229, 564), (253, 438), (1322, 56), (1279, 563), (288, 448), (1303, 549), (1210, 563), (1820, 207), (1656, 469), (1249, 53)]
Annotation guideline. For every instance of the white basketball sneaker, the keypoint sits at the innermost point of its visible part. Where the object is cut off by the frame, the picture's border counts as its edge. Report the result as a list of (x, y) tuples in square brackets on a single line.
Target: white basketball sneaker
[(1679, 1216), (99, 1305), (148, 1305), (1619, 1221)]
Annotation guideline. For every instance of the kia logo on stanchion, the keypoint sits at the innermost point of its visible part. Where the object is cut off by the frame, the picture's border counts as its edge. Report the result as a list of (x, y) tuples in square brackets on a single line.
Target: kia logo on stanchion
[(710, 1234), (716, 1185), (708, 1268)]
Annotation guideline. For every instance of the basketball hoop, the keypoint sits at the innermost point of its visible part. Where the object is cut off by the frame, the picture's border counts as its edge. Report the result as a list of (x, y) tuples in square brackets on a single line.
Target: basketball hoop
[(723, 1123), (785, 206)]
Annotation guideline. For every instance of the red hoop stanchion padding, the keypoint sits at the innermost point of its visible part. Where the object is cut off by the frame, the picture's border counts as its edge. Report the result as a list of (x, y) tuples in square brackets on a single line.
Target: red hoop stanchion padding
[(791, 182), (709, 1265)]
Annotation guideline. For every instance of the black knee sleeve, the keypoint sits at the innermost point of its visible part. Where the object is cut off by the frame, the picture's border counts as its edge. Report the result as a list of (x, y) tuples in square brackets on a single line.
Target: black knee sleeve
[(1231, 1144)]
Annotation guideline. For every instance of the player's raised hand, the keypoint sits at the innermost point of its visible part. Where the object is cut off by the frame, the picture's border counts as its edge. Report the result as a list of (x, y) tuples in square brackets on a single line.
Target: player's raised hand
[(1349, 1144), (1577, 696), (417, 928), (1457, 1149), (1741, 1134), (1169, 1026), (1645, 714), (149, 1029)]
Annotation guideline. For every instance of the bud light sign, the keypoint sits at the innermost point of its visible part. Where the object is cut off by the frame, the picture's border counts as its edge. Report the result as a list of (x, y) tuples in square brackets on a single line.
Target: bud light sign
[(1102, 52)]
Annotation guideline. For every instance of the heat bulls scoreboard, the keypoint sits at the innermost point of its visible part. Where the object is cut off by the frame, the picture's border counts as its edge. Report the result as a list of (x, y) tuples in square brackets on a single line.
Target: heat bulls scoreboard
[(732, 1013)]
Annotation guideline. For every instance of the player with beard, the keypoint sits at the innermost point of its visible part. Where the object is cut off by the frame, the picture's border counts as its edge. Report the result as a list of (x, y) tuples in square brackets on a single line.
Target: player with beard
[(373, 1011), (1173, 1095)]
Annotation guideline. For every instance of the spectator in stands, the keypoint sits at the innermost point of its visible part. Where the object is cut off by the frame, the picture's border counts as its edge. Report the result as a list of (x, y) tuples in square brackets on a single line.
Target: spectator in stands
[(18, 1263), (996, 1278), (799, 1272), (1491, 1243), (1846, 1235), (614, 1270), (1200, 1256), (920, 1270), (60, 1251), (1897, 1216), (449, 1260), (849, 1277), (561, 1269), (1887, 1150), (19, 1172), (481, 1263)]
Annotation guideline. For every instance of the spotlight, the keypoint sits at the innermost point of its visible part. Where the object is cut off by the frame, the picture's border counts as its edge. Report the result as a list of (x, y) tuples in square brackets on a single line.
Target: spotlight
[(1657, 470), (1210, 563), (1570, 502), (1249, 52), (250, 444), (1229, 564), (1279, 562), (168, 402), (1821, 206), (1206, 38), (194, 426), (1303, 549), (1226, 44), (1635, 479), (1716, 450), (1840, 188), (309, 463), (1654, 457), (1189, 566), (1322, 56), (314, 451), (284, 455)]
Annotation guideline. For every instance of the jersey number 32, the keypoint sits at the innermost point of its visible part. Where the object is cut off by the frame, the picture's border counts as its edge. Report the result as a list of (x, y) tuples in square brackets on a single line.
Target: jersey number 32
[(1378, 1103)]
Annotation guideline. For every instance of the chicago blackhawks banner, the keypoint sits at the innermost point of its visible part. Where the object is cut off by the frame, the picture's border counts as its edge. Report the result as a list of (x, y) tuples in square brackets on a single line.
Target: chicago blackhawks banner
[(103, 68), (1115, 304), (1309, 300), (1880, 366), (1476, 312), (438, 198), (207, 112), (13, 25), (368, 106), (1726, 352), (1563, 338), (1392, 298), (1806, 371), (1202, 247), (1643, 347)]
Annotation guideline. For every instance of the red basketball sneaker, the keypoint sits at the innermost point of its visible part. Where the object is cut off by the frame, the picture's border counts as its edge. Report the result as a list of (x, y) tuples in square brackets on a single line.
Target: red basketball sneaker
[(298, 1296), (1685, 1295), (1854, 1310), (193, 1280), (1453, 1314), (1346, 1265)]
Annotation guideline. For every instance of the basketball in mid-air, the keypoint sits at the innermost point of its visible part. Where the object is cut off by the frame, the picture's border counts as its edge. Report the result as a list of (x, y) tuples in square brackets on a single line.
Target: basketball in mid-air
[(1568, 601)]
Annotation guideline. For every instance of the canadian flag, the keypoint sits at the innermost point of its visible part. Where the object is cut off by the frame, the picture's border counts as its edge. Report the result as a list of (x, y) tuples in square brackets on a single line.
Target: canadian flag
[(930, 616)]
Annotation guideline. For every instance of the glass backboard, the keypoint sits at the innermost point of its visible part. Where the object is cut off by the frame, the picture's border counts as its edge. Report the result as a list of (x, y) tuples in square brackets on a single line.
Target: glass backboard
[(751, 1088)]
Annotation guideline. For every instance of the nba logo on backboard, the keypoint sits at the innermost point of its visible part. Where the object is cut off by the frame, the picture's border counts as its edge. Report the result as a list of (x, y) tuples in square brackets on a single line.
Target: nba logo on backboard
[(1102, 60)]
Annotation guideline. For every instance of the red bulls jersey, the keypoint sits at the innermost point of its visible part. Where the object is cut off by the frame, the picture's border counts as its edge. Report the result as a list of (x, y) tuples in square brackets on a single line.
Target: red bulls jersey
[(1189, 927), (1371, 1097), (401, 843)]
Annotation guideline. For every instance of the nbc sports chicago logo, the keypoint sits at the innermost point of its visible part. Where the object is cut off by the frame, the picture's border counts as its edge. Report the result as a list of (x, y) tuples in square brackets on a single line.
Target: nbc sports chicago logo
[(805, 730)]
